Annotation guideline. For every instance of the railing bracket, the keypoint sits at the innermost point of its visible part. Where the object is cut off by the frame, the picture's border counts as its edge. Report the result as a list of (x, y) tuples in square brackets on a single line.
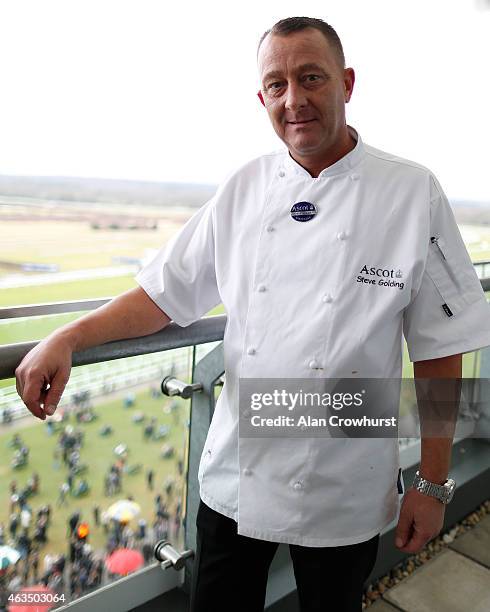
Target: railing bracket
[(169, 556), (173, 386)]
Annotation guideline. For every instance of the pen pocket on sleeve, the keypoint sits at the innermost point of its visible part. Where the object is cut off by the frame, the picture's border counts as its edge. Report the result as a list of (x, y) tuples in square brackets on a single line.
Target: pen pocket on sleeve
[(455, 280)]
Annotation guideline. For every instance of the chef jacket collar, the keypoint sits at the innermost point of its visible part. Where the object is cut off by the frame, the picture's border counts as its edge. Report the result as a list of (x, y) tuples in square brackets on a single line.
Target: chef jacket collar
[(344, 164)]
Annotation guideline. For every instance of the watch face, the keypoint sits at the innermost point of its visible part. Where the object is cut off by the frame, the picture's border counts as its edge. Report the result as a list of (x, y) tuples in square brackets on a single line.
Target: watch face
[(450, 485)]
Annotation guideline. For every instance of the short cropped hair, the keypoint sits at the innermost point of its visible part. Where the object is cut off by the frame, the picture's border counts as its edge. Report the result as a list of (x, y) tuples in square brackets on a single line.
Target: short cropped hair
[(296, 24)]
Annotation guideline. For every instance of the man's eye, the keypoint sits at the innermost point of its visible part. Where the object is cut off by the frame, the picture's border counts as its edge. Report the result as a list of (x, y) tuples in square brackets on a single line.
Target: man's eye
[(274, 86), (312, 77)]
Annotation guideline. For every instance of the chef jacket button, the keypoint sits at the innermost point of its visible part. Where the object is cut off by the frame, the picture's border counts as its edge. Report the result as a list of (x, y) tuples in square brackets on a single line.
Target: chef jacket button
[(261, 288), (354, 177), (298, 485), (327, 298), (247, 472), (282, 174), (269, 228), (251, 350), (314, 365), (209, 451), (341, 236)]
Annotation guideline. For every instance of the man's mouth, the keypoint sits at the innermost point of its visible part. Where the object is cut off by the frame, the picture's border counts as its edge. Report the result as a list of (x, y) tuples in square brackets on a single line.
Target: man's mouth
[(302, 122)]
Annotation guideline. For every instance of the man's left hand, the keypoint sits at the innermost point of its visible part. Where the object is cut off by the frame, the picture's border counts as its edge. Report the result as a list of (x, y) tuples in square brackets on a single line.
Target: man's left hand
[(421, 519)]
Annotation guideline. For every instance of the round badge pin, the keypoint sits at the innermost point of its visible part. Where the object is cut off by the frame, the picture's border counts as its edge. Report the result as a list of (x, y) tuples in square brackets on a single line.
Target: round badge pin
[(303, 211)]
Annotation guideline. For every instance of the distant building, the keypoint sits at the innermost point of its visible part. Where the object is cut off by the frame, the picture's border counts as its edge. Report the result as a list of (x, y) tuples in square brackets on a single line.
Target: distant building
[(122, 223)]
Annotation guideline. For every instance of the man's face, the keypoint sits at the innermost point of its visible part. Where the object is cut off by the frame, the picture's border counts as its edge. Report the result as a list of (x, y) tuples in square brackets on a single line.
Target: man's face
[(304, 90)]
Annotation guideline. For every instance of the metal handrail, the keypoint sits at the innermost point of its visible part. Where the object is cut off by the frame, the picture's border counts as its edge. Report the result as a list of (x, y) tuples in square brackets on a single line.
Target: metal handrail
[(34, 310), (481, 268), (207, 329), (49, 308)]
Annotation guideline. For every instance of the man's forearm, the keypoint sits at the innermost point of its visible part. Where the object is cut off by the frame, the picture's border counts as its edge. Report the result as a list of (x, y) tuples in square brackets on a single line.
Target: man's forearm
[(129, 315), (435, 459), (436, 451)]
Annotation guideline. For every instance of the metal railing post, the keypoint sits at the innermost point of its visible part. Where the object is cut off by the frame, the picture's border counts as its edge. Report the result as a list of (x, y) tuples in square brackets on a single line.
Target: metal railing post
[(207, 371)]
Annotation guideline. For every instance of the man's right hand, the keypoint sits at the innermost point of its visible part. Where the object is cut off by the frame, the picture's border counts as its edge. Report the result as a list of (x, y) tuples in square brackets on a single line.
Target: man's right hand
[(48, 363)]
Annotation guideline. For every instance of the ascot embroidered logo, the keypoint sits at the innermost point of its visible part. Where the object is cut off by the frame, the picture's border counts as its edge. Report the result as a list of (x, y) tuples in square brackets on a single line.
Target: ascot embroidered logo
[(385, 277), (386, 273)]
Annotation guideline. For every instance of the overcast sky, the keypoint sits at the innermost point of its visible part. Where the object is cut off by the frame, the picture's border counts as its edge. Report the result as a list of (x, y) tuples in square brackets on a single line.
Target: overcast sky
[(160, 90)]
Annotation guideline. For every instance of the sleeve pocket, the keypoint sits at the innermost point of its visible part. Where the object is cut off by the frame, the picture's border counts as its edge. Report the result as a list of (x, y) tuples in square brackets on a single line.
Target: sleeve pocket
[(453, 275)]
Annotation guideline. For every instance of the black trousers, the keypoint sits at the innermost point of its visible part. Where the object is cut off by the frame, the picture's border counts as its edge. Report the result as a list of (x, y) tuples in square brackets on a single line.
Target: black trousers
[(230, 570)]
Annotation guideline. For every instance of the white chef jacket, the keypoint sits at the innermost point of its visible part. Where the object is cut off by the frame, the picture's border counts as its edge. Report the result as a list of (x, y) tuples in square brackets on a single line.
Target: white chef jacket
[(295, 310)]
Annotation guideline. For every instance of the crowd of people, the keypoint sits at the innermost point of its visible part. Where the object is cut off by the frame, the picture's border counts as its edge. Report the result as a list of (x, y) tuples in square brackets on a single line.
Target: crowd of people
[(81, 567)]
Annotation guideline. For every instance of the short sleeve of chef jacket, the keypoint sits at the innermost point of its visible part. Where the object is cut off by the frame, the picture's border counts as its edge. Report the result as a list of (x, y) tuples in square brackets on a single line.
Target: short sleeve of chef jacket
[(181, 278), (450, 313)]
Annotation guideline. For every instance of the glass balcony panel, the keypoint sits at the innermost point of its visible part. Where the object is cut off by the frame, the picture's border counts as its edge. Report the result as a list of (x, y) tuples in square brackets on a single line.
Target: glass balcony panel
[(114, 437)]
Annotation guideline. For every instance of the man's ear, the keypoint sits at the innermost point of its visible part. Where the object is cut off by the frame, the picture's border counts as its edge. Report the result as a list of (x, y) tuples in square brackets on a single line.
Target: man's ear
[(261, 98), (349, 80)]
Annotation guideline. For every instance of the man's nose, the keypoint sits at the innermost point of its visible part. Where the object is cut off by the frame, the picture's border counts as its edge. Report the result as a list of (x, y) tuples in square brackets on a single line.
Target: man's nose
[(295, 97)]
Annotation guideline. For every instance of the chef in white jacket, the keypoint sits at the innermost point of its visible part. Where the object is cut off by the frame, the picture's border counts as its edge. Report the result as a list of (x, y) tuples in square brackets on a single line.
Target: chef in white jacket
[(324, 254)]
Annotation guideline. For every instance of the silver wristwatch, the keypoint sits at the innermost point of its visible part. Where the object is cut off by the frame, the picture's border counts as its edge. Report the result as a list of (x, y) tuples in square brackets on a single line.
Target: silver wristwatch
[(444, 493)]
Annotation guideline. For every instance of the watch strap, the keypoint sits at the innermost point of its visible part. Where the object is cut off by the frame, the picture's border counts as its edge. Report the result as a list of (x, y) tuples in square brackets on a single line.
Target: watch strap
[(440, 492)]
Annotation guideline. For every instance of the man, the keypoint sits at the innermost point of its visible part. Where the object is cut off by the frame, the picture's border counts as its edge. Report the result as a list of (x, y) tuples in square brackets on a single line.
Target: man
[(282, 245), (149, 479)]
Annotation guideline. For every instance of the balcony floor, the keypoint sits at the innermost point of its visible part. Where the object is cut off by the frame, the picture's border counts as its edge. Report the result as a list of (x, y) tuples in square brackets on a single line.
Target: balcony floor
[(455, 580)]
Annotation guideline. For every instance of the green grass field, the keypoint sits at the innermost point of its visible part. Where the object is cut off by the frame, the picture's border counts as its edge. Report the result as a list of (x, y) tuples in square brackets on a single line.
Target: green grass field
[(64, 292), (75, 245), (97, 453)]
